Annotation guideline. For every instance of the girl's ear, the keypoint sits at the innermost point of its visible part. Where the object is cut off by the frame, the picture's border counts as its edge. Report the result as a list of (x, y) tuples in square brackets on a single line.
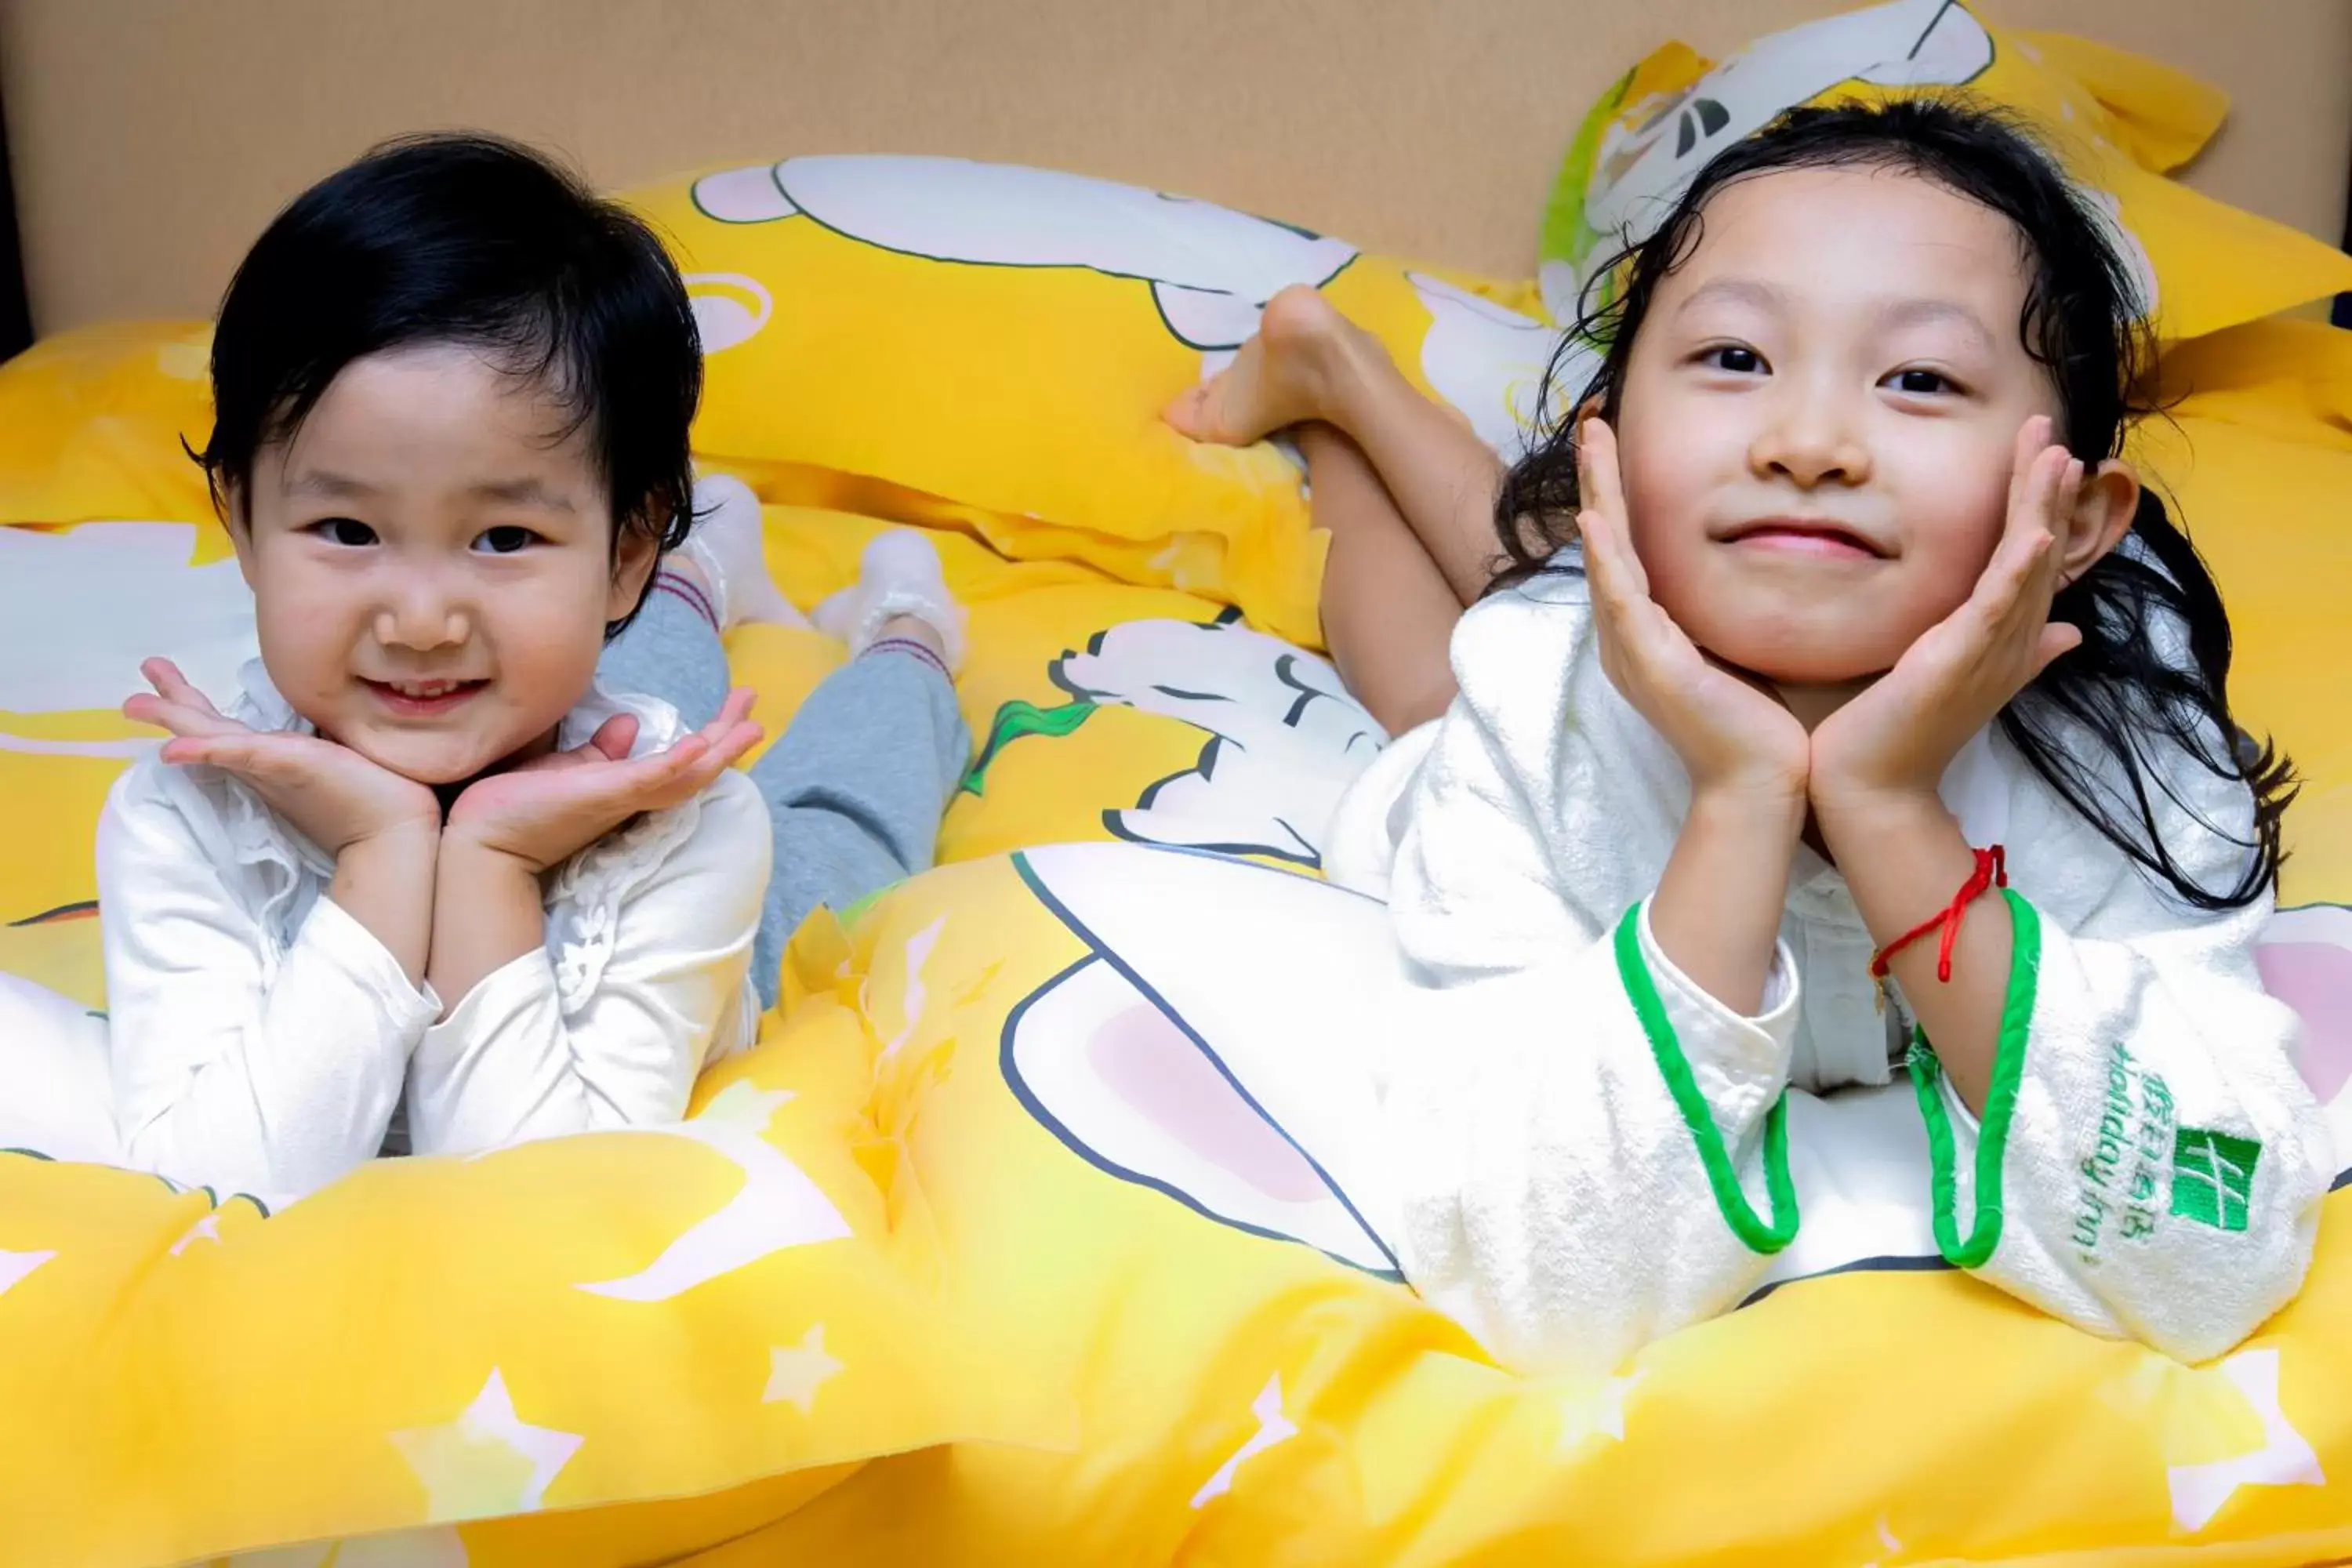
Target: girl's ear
[(634, 554), (2102, 510)]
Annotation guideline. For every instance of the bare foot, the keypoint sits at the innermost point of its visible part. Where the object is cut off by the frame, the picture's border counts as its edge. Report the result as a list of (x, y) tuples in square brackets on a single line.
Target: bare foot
[(1281, 377)]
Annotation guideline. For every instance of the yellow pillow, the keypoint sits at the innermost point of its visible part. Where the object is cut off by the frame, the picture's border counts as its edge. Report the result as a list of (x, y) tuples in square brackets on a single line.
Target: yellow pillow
[(2256, 456), (2116, 119), (91, 422), (945, 341)]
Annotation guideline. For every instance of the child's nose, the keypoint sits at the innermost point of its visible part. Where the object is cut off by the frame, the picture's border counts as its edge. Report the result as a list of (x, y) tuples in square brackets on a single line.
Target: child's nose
[(1811, 438), (423, 622), (421, 632)]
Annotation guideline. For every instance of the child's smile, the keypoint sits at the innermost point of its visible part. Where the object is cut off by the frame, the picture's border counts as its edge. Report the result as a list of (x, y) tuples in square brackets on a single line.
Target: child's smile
[(424, 699)]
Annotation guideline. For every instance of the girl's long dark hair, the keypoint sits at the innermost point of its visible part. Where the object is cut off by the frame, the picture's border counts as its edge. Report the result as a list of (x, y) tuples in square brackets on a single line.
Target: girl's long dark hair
[(2151, 675)]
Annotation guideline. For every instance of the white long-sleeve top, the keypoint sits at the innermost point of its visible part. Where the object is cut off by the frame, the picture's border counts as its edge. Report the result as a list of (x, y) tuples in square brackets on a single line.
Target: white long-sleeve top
[(261, 1039), (1608, 1166)]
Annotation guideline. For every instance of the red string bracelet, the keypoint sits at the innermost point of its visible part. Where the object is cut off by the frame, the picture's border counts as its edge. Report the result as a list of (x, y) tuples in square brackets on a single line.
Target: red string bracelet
[(1992, 871)]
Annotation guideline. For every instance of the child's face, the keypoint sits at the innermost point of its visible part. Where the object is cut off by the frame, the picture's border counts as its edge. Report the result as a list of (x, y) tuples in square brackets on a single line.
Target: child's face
[(1820, 417), (431, 561)]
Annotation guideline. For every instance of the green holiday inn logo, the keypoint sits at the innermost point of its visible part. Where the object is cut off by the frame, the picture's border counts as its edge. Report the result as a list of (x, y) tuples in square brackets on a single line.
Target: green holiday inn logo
[(2213, 1176)]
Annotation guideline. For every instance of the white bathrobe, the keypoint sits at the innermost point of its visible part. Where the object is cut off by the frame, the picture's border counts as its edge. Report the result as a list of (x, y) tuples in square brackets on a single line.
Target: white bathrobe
[(1608, 1166), (258, 1040)]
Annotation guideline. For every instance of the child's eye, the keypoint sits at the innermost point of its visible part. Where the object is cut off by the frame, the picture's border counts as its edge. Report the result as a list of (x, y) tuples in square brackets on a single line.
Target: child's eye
[(1922, 382), (1736, 358), (345, 530), (505, 541)]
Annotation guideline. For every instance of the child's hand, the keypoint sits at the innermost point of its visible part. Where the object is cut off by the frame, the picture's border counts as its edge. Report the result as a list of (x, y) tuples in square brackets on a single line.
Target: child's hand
[(1897, 738), (335, 796), (551, 808), (1735, 741)]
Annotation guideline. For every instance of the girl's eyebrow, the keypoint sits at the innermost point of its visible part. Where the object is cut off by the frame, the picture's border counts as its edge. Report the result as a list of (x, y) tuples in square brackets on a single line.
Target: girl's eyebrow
[(1906, 311), (334, 487), (525, 492), (1748, 291), (1928, 311)]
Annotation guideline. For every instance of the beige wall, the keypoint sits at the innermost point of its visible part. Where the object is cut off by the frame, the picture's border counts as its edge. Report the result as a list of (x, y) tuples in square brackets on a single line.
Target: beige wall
[(153, 138)]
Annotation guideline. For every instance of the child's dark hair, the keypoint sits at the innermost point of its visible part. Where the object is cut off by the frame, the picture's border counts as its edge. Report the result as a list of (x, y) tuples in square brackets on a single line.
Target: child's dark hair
[(475, 240), (2123, 688)]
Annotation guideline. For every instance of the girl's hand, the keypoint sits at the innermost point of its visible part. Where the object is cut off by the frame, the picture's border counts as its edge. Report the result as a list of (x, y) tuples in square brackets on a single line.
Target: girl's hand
[(1735, 741), (1897, 738), (551, 808), (332, 795)]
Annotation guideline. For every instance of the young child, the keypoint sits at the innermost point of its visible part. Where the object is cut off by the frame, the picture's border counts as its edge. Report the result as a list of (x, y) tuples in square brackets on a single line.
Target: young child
[(456, 856), (1865, 656)]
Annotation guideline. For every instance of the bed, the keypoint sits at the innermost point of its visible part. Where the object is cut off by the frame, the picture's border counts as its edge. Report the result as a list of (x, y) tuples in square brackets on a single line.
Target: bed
[(1026, 1234)]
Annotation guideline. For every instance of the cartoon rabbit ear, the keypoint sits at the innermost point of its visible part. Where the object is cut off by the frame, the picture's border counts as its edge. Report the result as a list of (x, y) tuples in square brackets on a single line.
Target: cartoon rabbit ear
[(1122, 1082), (2305, 961), (1221, 1046)]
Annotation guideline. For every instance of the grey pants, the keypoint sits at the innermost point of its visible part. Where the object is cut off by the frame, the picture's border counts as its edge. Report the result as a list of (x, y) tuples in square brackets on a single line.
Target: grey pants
[(857, 783)]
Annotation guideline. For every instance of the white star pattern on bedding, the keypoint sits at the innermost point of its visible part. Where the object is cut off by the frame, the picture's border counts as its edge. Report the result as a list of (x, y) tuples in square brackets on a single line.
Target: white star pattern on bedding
[(1597, 1411), (795, 1372), (2200, 1490), (1273, 1426), (15, 1266), (488, 1462)]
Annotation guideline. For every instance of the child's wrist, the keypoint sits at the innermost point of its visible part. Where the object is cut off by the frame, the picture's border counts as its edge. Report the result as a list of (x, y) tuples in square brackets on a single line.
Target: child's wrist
[(463, 850), (1763, 806), (1851, 789), (1854, 813), (407, 842)]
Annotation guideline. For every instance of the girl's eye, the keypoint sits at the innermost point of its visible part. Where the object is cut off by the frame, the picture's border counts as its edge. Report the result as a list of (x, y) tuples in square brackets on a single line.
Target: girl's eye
[(1736, 358), (1922, 382), (344, 531), (506, 541)]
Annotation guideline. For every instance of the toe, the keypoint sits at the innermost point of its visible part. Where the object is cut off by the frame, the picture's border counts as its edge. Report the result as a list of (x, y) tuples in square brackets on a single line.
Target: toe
[(1187, 414)]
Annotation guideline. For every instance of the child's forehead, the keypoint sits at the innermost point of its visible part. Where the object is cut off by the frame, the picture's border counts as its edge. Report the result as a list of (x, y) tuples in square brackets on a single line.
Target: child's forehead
[(1805, 213), (442, 414), (1845, 236)]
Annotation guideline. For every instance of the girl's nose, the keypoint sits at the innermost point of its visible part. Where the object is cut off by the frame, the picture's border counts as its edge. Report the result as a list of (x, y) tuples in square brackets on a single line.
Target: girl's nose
[(416, 632), (421, 615), (1810, 440)]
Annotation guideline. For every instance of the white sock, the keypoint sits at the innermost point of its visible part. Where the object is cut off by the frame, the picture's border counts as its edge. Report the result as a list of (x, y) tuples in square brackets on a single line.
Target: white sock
[(725, 544), (897, 574)]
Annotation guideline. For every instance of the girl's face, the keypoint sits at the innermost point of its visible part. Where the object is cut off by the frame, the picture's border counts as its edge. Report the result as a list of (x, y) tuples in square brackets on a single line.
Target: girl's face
[(431, 563), (1820, 417)]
